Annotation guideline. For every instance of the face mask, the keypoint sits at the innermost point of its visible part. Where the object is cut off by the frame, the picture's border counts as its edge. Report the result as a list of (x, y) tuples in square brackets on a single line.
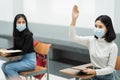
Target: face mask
[(99, 32), (21, 27)]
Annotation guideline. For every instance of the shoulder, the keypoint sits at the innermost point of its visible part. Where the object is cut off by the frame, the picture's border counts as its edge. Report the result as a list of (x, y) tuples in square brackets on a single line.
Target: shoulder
[(114, 46), (91, 38), (28, 33)]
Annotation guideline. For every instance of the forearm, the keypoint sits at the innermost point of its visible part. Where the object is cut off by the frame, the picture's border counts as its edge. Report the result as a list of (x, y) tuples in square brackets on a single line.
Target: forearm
[(73, 22), (104, 71)]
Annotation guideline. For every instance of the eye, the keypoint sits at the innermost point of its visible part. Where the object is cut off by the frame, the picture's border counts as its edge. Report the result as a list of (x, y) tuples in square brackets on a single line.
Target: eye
[(96, 26), (18, 22), (100, 26), (23, 22)]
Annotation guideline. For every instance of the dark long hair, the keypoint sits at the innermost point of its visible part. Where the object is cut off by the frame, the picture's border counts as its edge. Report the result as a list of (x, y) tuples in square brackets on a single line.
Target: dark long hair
[(110, 34), (15, 31)]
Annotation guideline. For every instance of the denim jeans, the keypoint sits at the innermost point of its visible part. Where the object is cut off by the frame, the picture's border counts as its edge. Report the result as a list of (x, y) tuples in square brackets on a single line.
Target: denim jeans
[(27, 62), (103, 77)]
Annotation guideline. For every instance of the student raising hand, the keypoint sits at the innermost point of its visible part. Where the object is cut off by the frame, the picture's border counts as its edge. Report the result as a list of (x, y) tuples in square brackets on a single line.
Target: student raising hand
[(102, 48), (75, 14)]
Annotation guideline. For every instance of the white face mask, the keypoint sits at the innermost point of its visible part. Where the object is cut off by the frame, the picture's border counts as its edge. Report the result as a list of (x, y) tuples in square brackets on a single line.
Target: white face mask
[(21, 27), (99, 32)]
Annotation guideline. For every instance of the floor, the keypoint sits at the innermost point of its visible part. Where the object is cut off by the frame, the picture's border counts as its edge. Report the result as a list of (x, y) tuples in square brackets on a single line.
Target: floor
[(52, 77)]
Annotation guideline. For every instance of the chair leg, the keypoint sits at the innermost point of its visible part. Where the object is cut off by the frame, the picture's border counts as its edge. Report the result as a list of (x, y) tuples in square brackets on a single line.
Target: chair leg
[(48, 66), (76, 78), (47, 76), (26, 78), (30, 77)]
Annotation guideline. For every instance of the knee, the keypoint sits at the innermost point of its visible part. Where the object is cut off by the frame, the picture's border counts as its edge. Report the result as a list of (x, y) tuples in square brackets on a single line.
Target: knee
[(7, 67), (3, 67)]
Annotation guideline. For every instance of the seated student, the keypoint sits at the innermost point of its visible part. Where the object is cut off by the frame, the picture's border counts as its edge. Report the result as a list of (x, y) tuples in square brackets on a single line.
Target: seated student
[(22, 40), (103, 51)]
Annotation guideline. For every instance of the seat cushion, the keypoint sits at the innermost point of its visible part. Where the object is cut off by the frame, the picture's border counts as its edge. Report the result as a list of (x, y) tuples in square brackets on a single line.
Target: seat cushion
[(36, 71)]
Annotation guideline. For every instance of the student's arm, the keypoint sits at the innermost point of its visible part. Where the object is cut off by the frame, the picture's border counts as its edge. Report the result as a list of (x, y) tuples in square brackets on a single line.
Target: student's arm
[(28, 45), (111, 63), (72, 33), (12, 48)]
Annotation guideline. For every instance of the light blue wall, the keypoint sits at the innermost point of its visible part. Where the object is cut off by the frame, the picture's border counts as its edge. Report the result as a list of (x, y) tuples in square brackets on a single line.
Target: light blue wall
[(54, 34)]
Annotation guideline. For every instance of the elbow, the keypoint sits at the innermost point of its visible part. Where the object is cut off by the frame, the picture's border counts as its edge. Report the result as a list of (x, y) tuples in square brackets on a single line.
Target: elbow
[(111, 70), (72, 38)]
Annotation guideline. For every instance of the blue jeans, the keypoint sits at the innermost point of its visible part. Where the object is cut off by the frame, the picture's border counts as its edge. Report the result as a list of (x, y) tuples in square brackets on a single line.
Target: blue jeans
[(103, 77), (27, 62)]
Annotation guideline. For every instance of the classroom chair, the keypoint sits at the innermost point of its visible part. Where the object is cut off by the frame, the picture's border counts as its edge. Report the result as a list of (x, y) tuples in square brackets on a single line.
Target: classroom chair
[(117, 66), (43, 49)]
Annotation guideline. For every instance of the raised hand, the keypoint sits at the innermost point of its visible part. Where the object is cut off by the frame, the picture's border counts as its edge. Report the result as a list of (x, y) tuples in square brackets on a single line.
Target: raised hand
[(75, 14)]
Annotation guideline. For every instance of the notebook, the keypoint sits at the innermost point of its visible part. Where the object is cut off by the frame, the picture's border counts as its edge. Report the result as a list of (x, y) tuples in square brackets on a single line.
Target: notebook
[(81, 72), (10, 51)]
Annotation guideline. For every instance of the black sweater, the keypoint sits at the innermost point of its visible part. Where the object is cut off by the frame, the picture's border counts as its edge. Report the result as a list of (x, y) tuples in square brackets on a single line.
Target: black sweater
[(24, 42)]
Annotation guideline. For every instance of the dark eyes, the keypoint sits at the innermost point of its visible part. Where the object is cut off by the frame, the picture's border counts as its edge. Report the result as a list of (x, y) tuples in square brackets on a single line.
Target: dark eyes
[(98, 26), (21, 22)]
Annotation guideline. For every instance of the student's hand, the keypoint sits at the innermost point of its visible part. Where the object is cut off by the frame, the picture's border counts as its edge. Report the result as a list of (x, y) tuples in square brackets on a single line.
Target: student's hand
[(75, 14), (90, 71), (3, 52)]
